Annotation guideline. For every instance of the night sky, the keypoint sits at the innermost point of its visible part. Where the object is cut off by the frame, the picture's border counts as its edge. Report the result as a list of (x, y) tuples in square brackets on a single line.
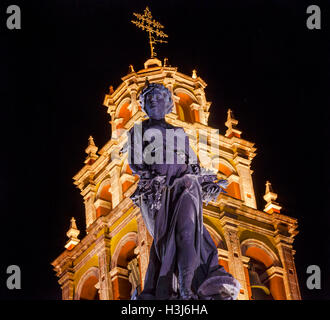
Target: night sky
[(257, 57)]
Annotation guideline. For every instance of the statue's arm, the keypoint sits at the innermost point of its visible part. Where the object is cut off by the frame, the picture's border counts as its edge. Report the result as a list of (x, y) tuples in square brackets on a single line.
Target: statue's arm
[(211, 186)]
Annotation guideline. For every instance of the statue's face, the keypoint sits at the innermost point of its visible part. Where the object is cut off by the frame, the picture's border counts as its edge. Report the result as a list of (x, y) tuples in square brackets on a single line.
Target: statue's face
[(155, 105)]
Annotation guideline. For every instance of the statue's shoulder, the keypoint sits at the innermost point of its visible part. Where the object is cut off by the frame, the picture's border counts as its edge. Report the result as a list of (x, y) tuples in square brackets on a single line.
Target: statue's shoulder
[(138, 126)]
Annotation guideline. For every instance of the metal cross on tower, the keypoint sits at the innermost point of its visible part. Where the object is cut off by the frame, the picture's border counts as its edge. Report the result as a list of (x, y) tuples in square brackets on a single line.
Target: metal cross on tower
[(152, 27)]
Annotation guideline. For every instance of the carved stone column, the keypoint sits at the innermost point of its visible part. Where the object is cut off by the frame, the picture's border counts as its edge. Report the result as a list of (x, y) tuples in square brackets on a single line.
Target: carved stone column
[(200, 95), (90, 211), (246, 184), (116, 188), (119, 278), (104, 255), (284, 247), (144, 244), (67, 286), (236, 267), (134, 275), (132, 89), (246, 273), (274, 277)]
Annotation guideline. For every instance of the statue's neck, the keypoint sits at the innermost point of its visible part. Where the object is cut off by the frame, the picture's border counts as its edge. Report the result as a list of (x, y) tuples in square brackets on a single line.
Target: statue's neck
[(155, 122)]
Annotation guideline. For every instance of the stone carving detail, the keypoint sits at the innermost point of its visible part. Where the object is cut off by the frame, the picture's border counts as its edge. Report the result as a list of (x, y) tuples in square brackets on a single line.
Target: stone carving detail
[(134, 276)]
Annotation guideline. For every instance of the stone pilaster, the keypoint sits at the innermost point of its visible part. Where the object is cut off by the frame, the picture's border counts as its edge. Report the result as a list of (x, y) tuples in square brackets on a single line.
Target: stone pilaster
[(236, 266), (204, 105), (67, 285), (132, 89), (291, 285), (246, 184), (144, 244), (246, 261), (104, 255), (90, 210), (274, 278), (117, 276), (116, 187)]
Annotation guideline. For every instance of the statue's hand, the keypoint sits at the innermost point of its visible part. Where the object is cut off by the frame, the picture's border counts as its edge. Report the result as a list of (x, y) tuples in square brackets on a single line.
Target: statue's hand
[(211, 190), (210, 187), (223, 184)]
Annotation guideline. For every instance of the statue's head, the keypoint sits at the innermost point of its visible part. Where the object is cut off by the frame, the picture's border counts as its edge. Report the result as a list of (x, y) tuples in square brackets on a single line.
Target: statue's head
[(156, 101)]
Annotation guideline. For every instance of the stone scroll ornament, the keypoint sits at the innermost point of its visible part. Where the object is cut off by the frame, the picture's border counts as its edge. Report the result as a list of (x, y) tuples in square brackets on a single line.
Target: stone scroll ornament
[(183, 262)]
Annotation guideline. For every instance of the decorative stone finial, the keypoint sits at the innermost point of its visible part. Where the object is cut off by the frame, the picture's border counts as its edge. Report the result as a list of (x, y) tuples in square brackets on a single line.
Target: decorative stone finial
[(269, 188), (270, 197), (194, 74), (72, 234), (231, 124), (91, 151), (131, 68)]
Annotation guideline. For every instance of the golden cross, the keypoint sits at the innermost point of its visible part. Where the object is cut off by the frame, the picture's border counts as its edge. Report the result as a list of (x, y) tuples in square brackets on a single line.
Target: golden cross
[(152, 27)]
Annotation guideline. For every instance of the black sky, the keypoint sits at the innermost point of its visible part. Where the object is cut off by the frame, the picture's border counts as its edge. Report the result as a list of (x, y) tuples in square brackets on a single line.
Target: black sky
[(258, 58)]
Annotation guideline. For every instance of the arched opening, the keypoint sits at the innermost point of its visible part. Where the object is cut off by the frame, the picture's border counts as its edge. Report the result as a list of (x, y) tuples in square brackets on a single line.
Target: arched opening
[(127, 182), (126, 254), (124, 114), (88, 290), (225, 170), (125, 269), (185, 113), (217, 239), (220, 244), (87, 285), (264, 274), (103, 203), (259, 289)]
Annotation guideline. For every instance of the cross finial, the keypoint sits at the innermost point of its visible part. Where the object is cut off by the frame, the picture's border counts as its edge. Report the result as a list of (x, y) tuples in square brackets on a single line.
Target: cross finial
[(231, 124), (147, 23)]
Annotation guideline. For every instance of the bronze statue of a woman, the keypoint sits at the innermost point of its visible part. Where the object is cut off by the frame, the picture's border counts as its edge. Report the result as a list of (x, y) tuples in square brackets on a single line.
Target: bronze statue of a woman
[(183, 261)]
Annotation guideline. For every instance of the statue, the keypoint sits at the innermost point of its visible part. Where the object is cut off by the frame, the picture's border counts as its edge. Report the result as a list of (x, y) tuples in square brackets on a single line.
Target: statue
[(183, 262)]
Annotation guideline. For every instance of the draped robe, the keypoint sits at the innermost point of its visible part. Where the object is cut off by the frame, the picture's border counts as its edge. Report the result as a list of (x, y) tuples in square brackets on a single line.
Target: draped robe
[(165, 191)]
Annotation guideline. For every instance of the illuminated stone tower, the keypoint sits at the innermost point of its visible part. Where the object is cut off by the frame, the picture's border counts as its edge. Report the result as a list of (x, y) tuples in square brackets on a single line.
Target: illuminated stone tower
[(255, 246)]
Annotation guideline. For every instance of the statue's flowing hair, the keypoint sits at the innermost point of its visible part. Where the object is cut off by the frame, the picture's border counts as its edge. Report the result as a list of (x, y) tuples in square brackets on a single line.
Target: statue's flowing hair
[(156, 86)]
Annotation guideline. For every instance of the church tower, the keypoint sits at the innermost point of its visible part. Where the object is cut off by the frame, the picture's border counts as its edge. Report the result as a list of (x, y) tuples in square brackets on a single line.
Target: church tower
[(255, 246)]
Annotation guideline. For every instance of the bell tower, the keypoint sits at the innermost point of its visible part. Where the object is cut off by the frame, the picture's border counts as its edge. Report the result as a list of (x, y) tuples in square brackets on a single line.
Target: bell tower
[(255, 246)]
